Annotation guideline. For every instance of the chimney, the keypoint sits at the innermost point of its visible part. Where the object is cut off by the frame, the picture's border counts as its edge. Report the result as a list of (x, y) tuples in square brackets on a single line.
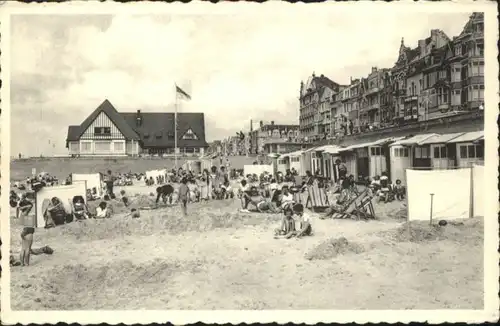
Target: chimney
[(261, 123), (421, 46), (251, 125), (272, 123), (138, 118), (314, 75), (374, 69), (322, 75)]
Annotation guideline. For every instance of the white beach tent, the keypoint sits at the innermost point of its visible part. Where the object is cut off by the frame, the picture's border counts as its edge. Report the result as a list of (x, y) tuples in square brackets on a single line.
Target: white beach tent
[(64, 193), (92, 180), (445, 194)]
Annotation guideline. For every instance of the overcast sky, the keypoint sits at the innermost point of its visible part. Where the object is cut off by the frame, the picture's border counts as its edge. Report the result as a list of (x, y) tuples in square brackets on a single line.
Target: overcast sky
[(237, 68)]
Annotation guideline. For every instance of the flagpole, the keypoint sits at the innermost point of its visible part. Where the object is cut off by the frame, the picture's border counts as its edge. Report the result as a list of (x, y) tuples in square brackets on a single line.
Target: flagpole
[(175, 126)]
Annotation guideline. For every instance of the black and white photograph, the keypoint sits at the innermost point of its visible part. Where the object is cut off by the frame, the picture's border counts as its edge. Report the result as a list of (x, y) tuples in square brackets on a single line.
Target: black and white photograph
[(285, 162)]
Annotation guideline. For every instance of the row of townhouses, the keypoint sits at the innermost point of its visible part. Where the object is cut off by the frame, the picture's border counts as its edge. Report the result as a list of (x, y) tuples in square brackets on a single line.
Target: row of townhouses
[(437, 78)]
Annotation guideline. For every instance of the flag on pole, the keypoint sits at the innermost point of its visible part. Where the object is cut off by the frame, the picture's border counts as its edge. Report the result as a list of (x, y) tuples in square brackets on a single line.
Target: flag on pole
[(181, 93)]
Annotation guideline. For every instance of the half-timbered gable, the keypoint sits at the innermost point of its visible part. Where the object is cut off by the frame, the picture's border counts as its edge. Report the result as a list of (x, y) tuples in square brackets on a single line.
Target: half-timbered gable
[(102, 128)]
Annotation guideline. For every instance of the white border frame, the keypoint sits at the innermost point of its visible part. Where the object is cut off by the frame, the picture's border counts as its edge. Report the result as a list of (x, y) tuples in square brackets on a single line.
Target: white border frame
[(491, 272)]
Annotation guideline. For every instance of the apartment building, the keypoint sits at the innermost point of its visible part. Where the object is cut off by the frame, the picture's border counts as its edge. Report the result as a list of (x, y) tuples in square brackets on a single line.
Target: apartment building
[(338, 117), (314, 105), (266, 133), (438, 77)]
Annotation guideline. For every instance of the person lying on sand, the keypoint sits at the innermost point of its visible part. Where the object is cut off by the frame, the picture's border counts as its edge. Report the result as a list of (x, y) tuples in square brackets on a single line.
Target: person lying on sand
[(287, 227)]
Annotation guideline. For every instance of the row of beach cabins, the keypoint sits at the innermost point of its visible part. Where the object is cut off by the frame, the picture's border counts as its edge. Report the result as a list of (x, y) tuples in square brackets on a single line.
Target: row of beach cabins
[(391, 155)]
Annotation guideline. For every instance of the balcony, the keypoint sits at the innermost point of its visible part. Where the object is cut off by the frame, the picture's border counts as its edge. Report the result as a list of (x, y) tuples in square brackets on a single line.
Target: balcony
[(371, 91), (411, 98), (443, 107)]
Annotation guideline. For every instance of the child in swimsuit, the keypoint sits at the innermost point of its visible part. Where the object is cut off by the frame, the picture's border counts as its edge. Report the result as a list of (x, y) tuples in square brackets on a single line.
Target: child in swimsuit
[(287, 227), (27, 238), (305, 227)]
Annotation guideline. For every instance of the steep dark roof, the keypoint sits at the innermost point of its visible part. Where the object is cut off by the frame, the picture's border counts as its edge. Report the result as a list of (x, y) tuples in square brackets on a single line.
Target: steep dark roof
[(75, 132), (153, 125), (325, 81), (157, 128)]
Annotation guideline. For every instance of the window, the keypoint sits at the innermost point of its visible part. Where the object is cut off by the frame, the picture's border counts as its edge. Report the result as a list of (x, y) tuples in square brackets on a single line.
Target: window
[(456, 75), (458, 50), (102, 146), (74, 147), (472, 151), (440, 152), (189, 135), (476, 68), (406, 152), (102, 131), (456, 97), (397, 152), (189, 150), (442, 74), (436, 152), (476, 93), (86, 147), (375, 151), (119, 146), (294, 159), (422, 152)]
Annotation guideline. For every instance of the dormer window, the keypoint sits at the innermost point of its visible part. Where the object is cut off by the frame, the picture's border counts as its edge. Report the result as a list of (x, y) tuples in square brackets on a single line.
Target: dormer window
[(158, 135), (189, 135), (146, 135)]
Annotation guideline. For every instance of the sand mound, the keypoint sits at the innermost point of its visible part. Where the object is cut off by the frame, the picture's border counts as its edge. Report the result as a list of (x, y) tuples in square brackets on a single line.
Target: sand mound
[(332, 248), (162, 220), (420, 231), (123, 279)]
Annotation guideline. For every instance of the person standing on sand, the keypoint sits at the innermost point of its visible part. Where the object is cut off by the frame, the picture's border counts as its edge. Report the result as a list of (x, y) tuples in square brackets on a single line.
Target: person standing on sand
[(109, 180), (27, 238), (183, 195)]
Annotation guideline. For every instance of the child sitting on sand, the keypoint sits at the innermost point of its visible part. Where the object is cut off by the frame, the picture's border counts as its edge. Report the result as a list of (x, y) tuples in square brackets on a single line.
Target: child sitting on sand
[(103, 211), (287, 227), (399, 190), (304, 220)]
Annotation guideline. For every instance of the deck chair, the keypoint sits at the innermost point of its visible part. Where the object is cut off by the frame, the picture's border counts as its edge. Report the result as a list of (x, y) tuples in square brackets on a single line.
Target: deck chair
[(317, 197), (78, 213), (360, 206)]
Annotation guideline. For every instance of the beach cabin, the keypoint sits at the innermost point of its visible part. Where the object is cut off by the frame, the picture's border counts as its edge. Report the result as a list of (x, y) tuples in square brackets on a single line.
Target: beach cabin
[(309, 161), (367, 159), (469, 148), (329, 154), (283, 163), (348, 157), (404, 153), (443, 155), (293, 161)]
